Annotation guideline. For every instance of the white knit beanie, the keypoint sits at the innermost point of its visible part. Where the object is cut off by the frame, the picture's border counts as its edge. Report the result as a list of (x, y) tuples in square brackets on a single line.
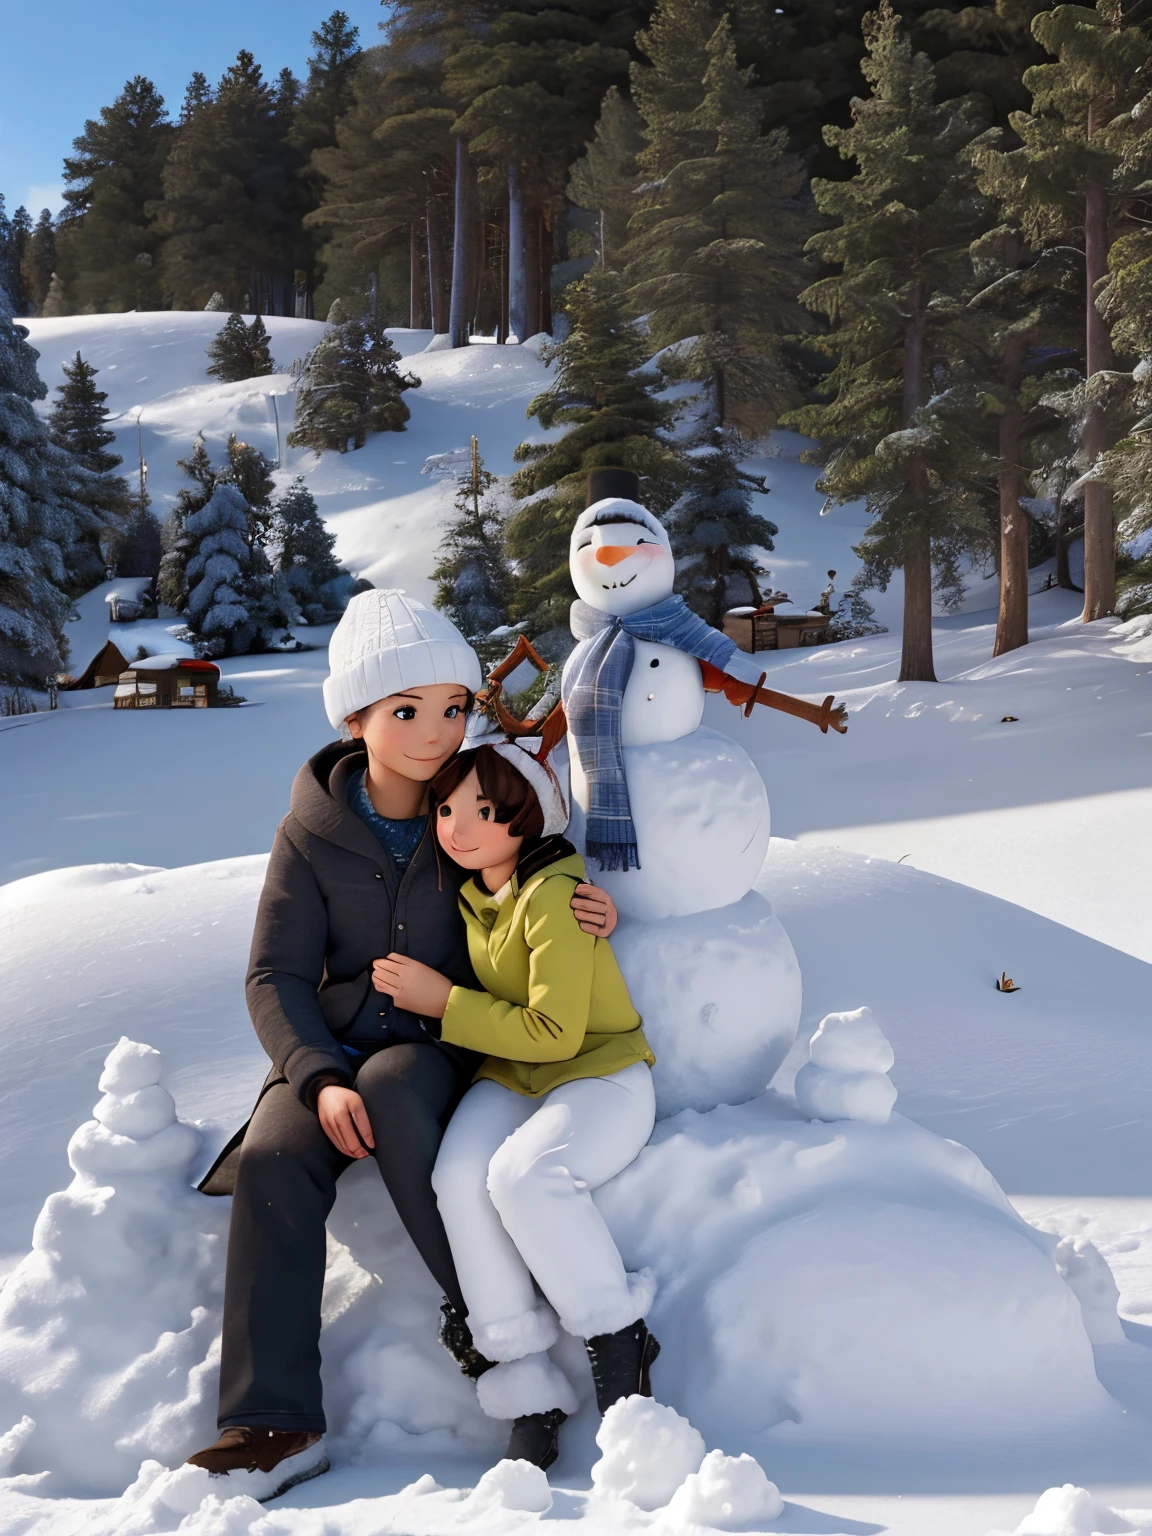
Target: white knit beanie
[(387, 641)]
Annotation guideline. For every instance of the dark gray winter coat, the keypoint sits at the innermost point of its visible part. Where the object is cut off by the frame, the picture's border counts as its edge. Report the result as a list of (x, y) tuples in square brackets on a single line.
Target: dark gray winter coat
[(331, 904)]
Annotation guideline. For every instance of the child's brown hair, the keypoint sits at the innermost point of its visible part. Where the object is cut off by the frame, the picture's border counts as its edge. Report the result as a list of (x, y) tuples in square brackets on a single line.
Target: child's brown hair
[(510, 792)]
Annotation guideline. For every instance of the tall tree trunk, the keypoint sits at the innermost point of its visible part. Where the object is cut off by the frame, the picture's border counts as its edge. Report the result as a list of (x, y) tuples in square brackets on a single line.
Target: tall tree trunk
[(461, 232), (417, 288), (1099, 530), (532, 324), (517, 269), (502, 322), (546, 259), (435, 272), (916, 663), (477, 262), (1012, 619)]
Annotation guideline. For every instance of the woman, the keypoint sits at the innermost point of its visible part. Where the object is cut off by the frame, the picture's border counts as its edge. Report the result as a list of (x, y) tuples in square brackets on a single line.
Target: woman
[(562, 1102)]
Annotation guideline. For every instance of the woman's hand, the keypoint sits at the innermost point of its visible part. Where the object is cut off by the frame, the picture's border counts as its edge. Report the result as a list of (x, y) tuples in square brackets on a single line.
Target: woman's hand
[(345, 1120), (594, 910), (412, 986)]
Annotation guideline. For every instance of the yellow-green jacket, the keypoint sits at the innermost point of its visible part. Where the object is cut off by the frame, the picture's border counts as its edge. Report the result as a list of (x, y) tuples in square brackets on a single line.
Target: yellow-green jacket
[(554, 1005)]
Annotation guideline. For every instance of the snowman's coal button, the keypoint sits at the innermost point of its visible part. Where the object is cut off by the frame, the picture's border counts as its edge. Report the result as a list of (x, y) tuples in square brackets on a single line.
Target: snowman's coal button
[(654, 662)]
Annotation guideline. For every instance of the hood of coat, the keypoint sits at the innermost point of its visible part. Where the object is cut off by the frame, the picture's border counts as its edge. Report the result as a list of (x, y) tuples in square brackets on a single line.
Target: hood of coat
[(320, 798)]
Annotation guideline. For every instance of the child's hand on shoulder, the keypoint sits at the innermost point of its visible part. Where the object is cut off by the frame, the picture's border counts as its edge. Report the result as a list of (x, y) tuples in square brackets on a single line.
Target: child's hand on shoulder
[(594, 910), (411, 985)]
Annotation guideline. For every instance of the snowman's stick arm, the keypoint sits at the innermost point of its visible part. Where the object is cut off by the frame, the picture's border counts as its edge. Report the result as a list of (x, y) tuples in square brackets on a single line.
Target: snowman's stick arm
[(749, 695)]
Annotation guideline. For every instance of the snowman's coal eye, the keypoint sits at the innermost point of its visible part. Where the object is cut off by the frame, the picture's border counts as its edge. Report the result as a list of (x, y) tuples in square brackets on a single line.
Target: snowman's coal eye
[(654, 662)]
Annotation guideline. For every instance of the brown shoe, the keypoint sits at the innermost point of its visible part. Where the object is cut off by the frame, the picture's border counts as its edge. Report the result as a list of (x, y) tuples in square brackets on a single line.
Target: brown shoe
[(264, 1463)]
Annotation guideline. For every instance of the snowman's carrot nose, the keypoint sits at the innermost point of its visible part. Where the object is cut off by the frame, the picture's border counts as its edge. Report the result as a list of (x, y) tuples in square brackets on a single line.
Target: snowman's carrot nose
[(612, 554)]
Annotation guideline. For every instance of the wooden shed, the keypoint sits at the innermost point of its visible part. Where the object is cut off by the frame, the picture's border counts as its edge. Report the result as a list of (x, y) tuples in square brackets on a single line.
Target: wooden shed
[(763, 629), (168, 682)]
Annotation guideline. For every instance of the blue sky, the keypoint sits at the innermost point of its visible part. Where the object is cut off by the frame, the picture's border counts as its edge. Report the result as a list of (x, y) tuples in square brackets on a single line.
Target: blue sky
[(65, 62)]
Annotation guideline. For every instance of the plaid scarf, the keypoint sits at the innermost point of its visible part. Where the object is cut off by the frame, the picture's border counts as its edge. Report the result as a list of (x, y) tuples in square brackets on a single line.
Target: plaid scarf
[(594, 684)]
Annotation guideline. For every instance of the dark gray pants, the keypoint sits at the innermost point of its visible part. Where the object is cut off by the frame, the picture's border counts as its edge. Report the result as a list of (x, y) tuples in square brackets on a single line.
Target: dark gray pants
[(285, 1188)]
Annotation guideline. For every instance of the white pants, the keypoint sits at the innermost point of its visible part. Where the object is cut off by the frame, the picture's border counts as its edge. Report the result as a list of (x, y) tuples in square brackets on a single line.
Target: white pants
[(514, 1182)]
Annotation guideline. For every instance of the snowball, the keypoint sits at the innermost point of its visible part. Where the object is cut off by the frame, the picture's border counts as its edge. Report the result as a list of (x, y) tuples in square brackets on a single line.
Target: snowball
[(826, 1095), (851, 1042), (702, 826), (129, 1067), (728, 1492), (1083, 1267), (647, 1450), (512, 1485), (720, 995)]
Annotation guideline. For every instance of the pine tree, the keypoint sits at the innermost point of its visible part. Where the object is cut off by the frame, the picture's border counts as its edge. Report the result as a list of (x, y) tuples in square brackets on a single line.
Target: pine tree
[(20, 240), (35, 525), (9, 264), (240, 351), (328, 94), (234, 603), (141, 549), (78, 425), (1016, 349), (113, 180), (302, 549), (609, 401), (39, 263), (251, 473), (198, 94), (228, 201), (1082, 167), (902, 227), (715, 253), (603, 181), (351, 387), (854, 617), (172, 581), (472, 576), (716, 534), (56, 303)]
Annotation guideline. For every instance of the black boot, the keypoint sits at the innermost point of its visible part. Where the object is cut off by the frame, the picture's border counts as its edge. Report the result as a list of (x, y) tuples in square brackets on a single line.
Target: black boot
[(456, 1337), (536, 1438), (621, 1363)]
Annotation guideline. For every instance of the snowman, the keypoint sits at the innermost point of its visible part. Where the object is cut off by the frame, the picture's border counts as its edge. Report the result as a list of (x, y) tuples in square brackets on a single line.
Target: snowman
[(672, 816)]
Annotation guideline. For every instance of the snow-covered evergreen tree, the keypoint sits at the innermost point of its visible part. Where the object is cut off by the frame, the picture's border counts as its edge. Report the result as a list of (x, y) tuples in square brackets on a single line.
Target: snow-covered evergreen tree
[(854, 616), (217, 304), (78, 425), (473, 577), (235, 604), (36, 523), (302, 551), (240, 351), (351, 386), (172, 582), (716, 533)]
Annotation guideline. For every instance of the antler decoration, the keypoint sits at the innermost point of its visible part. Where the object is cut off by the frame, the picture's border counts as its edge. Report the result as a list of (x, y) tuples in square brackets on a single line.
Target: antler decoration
[(550, 726)]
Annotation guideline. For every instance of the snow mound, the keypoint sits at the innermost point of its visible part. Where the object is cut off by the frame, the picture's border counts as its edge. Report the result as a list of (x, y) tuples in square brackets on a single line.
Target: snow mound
[(1072, 1511), (647, 1450), (846, 1077), (512, 1485), (1085, 1269), (728, 1493), (827, 1282)]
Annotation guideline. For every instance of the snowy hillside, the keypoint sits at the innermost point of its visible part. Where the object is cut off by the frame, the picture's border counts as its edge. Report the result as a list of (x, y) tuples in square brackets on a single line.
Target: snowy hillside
[(928, 1361), (385, 513)]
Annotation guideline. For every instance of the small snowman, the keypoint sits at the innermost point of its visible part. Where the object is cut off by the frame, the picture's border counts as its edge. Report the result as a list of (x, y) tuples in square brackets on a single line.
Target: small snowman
[(672, 816)]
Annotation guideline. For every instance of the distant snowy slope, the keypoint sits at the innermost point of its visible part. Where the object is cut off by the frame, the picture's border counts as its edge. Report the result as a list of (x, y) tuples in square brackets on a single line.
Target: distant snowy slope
[(387, 516)]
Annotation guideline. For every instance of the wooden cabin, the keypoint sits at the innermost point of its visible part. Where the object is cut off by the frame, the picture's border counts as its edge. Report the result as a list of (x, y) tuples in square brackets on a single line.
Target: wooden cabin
[(104, 668), (167, 682), (763, 629)]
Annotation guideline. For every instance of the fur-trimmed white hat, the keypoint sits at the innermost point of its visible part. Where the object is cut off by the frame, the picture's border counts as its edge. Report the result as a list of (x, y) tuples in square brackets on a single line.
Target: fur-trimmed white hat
[(388, 641), (523, 753)]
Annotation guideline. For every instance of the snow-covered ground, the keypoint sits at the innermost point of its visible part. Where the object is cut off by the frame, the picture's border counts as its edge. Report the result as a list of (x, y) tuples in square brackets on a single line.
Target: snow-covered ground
[(1023, 847)]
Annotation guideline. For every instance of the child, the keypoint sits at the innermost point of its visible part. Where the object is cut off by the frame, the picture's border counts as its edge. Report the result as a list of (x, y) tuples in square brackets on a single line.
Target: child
[(562, 1103)]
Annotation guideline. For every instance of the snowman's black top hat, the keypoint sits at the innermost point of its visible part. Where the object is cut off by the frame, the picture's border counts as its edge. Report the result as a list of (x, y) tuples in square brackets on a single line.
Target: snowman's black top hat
[(602, 483)]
